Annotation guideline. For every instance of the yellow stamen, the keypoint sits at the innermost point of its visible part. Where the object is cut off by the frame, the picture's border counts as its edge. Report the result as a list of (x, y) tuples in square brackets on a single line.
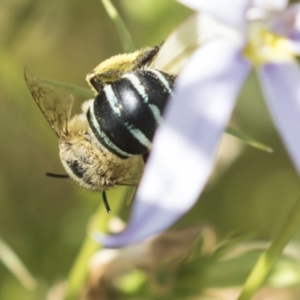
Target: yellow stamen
[(264, 46)]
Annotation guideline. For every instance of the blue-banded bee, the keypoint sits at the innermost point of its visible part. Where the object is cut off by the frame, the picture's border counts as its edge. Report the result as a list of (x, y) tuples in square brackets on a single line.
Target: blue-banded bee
[(104, 145)]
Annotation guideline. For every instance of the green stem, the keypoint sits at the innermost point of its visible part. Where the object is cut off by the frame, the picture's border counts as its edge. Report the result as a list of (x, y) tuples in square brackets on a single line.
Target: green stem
[(124, 35), (79, 272), (266, 261), (13, 263)]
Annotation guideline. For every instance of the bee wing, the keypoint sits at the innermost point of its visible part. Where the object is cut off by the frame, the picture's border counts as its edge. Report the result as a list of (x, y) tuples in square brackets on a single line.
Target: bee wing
[(184, 40), (55, 107)]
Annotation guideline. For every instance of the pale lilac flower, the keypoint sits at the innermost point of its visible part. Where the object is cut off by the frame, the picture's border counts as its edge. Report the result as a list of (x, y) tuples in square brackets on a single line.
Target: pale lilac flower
[(264, 34), (109, 266)]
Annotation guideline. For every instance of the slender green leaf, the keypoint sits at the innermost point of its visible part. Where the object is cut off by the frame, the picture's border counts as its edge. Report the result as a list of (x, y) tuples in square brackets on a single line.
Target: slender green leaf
[(124, 35), (88, 94), (268, 258), (70, 88), (248, 140), (15, 265)]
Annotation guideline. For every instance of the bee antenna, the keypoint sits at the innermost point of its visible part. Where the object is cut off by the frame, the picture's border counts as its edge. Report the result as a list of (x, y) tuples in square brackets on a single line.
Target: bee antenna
[(145, 157), (106, 202), (57, 175)]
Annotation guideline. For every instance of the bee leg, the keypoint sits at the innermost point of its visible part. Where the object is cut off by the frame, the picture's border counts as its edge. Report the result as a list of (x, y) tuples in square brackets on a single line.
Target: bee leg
[(147, 57), (145, 157), (106, 202), (97, 84), (57, 175)]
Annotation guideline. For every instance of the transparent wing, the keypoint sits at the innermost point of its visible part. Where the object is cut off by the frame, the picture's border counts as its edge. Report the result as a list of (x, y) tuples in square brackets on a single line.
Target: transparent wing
[(184, 40), (55, 106)]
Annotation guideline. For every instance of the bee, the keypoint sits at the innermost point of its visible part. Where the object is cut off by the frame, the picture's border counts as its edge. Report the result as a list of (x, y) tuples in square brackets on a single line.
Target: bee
[(105, 145)]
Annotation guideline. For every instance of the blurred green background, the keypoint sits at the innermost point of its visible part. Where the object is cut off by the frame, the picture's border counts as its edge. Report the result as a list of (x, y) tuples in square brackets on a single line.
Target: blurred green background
[(43, 219)]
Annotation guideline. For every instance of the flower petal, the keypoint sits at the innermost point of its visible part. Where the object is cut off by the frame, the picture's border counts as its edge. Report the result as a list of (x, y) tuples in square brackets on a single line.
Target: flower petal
[(280, 83), (265, 10), (184, 147), (191, 34), (287, 23), (184, 40), (231, 12), (270, 5)]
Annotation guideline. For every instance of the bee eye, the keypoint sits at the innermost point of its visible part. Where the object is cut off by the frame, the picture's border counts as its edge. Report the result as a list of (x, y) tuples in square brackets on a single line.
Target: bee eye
[(75, 168)]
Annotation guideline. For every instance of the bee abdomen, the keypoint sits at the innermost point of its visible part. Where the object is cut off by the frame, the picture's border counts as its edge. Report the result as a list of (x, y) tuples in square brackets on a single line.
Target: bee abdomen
[(125, 115)]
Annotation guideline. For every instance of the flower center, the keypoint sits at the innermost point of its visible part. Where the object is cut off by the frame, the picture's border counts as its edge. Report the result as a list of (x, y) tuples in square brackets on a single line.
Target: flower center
[(265, 46)]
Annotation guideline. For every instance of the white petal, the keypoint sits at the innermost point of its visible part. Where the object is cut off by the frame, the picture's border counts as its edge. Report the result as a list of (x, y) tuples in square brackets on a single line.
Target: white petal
[(265, 10), (270, 5), (287, 23), (184, 148), (191, 34), (231, 12), (281, 87)]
